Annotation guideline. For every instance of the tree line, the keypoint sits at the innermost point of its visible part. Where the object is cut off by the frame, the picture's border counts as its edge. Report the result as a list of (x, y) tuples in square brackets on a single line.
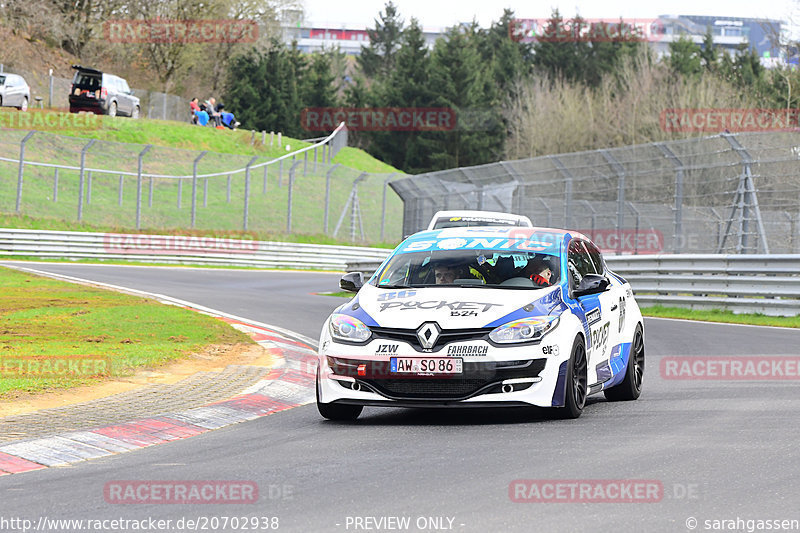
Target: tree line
[(513, 98)]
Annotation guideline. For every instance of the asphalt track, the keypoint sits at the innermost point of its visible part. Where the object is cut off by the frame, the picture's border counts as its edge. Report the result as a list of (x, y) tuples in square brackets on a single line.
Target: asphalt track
[(721, 450)]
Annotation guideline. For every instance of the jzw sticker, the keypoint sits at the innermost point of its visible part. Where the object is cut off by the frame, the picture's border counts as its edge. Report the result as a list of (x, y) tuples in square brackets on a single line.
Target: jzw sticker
[(600, 338), (387, 348)]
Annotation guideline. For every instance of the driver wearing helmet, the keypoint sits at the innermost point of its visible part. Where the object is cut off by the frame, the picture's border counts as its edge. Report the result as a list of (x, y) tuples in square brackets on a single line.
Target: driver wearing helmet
[(538, 270)]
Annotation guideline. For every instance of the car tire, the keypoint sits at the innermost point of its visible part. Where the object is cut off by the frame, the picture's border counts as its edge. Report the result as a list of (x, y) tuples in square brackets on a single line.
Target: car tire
[(135, 112), (575, 388), (631, 386), (112, 109), (1, 101), (24, 105), (335, 411)]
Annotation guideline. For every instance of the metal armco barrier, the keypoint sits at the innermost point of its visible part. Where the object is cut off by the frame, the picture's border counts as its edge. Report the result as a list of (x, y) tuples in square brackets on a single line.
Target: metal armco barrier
[(180, 249), (767, 284)]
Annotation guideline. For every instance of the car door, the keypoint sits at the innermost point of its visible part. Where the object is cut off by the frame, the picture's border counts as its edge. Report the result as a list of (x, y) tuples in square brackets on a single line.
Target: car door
[(613, 303), (13, 95), (597, 312), (124, 96)]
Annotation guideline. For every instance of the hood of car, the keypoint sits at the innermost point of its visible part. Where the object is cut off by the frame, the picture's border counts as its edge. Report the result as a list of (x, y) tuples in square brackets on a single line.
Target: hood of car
[(450, 307)]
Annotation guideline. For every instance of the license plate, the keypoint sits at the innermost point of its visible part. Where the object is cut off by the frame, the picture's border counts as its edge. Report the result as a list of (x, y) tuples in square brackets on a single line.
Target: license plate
[(427, 365)]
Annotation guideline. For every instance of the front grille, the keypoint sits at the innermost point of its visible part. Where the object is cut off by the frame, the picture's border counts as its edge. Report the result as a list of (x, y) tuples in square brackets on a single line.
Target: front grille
[(445, 337), (428, 388), (476, 376)]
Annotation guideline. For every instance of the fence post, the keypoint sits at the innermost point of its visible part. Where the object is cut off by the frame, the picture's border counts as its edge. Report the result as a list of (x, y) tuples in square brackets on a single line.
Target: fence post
[(289, 208), (119, 191), (619, 170), (280, 173), (194, 186), (205, 192), (50, 92), (55, 185), (80, 181), (139, 186), (180, 191), (383, 204), (315, 158), (88, 187), (150, 193), (677, 238), (328, 196), (264, 188), (229, 188), (247, 191), (305, 163), (21, 167)]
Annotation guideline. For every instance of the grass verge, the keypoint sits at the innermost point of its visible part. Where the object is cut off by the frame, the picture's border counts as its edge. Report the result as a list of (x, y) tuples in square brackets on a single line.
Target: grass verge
[(718, 315), (47, 323)]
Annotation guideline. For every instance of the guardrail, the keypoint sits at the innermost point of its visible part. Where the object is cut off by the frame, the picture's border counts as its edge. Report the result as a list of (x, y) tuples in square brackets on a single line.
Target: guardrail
[(180, 249), (767, 284)]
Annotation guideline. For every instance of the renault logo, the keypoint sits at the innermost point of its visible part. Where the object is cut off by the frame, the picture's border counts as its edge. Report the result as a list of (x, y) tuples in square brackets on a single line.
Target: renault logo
[(428, 334)]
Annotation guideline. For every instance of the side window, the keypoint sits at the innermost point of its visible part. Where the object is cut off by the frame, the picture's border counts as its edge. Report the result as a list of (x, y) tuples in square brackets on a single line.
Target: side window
[(578, 262), (597, 258), (124, 86)]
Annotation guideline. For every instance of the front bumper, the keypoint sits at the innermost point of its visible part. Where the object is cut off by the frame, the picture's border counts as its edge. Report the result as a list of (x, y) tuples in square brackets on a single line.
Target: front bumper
[(510, 376)]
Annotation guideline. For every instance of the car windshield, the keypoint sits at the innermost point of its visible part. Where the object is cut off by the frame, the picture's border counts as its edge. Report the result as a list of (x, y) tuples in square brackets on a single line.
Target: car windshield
[(472, 268)]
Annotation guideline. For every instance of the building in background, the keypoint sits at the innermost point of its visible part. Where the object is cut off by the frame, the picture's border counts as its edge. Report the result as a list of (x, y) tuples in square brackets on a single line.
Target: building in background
[(765, 35)]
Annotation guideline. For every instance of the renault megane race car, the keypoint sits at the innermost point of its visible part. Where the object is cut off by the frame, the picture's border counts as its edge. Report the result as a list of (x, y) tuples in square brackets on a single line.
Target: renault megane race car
[(483, 316)]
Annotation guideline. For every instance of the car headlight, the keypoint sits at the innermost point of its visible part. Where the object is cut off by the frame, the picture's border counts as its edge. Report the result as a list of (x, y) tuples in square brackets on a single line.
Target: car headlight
[(349, 329), (523, 330)]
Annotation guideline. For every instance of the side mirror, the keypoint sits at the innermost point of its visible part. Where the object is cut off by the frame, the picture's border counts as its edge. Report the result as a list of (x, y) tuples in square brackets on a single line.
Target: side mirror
[(591, 284), (352, 281)]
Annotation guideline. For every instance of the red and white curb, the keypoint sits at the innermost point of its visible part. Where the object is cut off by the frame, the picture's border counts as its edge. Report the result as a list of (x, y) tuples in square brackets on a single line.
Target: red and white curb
[(290, 383)]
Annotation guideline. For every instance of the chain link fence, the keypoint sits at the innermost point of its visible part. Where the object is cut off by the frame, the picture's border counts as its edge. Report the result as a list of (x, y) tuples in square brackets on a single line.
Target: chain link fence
[(722, 194), (120, 185), (54, 93)]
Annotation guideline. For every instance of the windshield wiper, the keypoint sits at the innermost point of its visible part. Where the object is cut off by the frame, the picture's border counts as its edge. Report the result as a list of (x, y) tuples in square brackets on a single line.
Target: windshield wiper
[(394, 286)]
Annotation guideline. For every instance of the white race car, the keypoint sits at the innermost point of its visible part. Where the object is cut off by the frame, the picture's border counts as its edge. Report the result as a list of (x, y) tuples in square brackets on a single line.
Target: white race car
[(483, 316)]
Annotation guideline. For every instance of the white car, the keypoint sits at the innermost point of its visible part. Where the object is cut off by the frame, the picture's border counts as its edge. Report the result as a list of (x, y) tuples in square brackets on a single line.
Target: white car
[(454, 219), (483, 316), (14, 91)]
